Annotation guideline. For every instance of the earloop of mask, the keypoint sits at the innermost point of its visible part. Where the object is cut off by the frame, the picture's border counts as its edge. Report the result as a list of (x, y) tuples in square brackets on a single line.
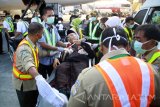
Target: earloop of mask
[(118, 37)]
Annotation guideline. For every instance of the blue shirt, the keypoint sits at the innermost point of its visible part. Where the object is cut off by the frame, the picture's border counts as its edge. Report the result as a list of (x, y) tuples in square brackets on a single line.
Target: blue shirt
[(48, 60)]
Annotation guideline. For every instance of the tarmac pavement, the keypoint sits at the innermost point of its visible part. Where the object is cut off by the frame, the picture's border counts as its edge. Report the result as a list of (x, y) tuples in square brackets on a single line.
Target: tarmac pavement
[(8, 96)]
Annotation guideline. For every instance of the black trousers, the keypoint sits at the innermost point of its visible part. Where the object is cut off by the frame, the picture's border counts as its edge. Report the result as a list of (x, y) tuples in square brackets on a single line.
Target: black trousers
[(28, 98), (1, 43), (45, 69)]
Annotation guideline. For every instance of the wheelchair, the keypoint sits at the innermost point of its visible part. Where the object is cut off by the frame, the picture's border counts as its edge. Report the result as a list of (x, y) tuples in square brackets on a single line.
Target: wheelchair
[(12, 46)]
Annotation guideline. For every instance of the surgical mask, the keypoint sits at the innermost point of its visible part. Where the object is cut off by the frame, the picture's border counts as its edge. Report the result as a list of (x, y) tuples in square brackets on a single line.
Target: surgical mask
[(9, 18), (131, 26), (50, 20), (137, 46), (93, 19)]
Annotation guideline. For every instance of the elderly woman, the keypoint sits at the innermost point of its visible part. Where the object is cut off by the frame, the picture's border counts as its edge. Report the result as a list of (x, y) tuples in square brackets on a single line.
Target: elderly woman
[(79, 45)]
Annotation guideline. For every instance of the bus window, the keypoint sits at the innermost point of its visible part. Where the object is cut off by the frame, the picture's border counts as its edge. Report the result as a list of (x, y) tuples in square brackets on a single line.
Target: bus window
[(140, 16)]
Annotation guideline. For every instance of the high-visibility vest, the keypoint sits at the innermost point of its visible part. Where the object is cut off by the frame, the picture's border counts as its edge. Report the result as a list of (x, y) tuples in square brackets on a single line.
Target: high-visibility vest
[(1, 27), (93, 32), (154, 57), (128, 35), (129, 80), (11, 25), (19, 74), (26, 32), (50, 40)]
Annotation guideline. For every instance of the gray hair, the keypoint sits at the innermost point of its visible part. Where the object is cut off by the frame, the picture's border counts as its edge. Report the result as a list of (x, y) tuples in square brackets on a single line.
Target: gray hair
[(34, 28)]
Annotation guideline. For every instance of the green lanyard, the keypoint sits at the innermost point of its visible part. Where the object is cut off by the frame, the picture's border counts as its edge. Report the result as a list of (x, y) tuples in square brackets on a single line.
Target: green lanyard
[(50, 40), (11, 26), (92, 33)]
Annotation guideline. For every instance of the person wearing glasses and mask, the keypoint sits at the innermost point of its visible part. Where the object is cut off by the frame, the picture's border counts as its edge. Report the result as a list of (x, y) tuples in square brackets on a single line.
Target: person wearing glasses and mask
[(146, 42), (118, 80), (49, 41)]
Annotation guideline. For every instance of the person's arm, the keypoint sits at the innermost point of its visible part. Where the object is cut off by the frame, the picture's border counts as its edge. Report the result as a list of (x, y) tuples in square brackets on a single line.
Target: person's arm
[(6, 30), (60, 43), (46, 46), (43, 53), (25, 55), (17, 34), (19, 29)]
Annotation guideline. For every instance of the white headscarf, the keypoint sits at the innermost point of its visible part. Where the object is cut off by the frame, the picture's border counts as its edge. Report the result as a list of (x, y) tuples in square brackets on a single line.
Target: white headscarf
[(113, 22)]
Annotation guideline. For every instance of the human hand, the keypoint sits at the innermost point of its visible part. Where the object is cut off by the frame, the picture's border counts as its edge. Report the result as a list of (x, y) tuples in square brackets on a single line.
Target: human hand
[(56, 63), (60, 49)]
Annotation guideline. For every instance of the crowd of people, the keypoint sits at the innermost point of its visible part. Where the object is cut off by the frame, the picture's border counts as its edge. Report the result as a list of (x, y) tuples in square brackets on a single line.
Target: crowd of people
[(121, 61)]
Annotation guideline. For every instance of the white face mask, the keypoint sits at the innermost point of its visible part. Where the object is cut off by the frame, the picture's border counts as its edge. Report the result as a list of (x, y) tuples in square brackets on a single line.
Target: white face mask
[(50, 20), (131, 26)]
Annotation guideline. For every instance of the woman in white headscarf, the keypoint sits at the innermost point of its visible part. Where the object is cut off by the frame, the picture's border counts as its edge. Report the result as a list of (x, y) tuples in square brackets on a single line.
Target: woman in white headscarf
[(113, 21)]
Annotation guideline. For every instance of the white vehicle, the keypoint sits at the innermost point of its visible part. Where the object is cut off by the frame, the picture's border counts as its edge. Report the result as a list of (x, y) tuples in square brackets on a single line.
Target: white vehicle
[(149, 13)]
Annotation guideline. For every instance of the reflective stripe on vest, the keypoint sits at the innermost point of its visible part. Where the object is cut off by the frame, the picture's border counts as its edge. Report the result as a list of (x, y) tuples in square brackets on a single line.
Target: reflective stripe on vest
[(80, 33), (17, 73), (92, 33), (130, 81), (154, 57), (128, 36), (25, 34), (50, 40), (11, 26), (1, 28)]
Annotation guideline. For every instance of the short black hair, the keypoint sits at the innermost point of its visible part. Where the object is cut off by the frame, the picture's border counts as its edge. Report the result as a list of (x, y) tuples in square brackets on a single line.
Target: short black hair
[(46, 9), (128, 19), (34, 28), (17, 16), (151, 31), (104, 19), (108, 32)]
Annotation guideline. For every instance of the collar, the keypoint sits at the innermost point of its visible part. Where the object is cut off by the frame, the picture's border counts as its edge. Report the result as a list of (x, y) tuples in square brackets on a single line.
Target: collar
[(150, 54), (115, 54), (32, 44)]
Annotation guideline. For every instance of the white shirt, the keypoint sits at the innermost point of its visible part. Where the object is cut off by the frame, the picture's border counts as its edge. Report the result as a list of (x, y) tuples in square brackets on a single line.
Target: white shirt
[(36, 19), (6, 25), (22, 26)]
